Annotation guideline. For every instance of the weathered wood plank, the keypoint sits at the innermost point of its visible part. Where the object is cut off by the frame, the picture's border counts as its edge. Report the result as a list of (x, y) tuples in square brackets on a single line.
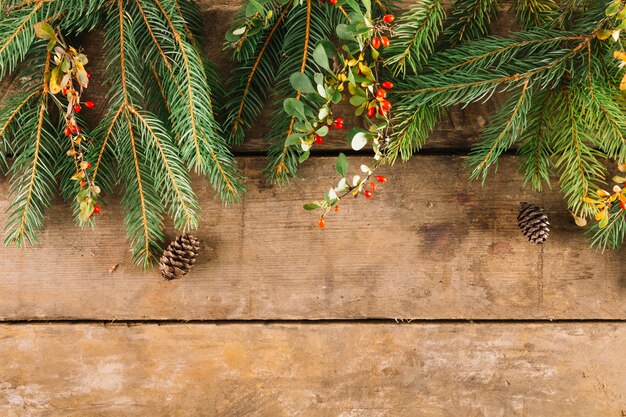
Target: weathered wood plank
[(432, 370), (429, 245)]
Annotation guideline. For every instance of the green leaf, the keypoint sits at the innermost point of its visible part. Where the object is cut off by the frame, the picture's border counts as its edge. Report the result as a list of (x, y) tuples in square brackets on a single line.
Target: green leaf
[(354, 6), (613, 8), (344, 32), (342, 165), (300, 82), (304, 156), (322, 131), (43, 30), (292, 139), (356, 101), (368, 6), (321, 57), (294, 108), (312, 206)]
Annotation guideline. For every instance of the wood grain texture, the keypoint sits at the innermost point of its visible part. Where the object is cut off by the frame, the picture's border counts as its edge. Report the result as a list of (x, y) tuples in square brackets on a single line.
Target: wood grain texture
[(369, 370), (429, 245)]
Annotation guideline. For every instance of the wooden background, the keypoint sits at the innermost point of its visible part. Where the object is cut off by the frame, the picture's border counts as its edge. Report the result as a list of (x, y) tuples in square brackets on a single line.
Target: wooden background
[(425, 301)]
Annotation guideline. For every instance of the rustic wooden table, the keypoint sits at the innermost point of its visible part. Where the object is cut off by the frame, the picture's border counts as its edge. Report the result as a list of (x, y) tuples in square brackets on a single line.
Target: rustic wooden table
[(426, 301)]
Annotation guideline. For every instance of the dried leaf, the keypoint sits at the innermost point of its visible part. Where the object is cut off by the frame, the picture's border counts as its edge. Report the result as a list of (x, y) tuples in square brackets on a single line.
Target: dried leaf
[(43, 30)]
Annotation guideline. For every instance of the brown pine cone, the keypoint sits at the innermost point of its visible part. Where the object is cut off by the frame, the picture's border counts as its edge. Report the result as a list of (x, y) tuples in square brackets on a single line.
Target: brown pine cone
[(179, 256)]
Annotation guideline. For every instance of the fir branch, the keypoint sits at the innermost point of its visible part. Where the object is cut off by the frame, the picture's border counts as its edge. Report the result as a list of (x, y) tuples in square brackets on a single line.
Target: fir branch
[(503, 131), (578, 162), (469, 85), (10, 112), (535, 150), (201, 143), (470, 19), (33, 171), (142, 196), (141, 201), (175, 189), (411, 130), (535, 12), (16, 36), (279, 167), (609, 120), (252, 80), (613, 234), (415, 35), (493, 53)]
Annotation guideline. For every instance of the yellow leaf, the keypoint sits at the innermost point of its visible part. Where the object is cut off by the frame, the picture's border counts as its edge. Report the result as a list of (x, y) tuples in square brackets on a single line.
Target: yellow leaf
[(54, 85), (622, 85), (601, 215), (604, 222), (621, 167), (589, 200), (619, 180), (602, 193), (603, 34), (619, 55)]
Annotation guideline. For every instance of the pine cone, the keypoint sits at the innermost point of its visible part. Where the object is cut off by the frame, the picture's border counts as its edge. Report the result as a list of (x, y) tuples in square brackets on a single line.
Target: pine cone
[(179, 256), (534, 223)]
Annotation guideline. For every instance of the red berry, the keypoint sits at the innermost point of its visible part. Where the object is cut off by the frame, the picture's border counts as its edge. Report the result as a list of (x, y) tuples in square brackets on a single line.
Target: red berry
[(389, 18), (333, 2), (88, 75), (83, 183), (90, 104), (96, 209), (371, 112), (622, 204), (77, 108), (338, 124), (321, 222), (375, 43), (381, 178), (387, 84), (88, 165), (336, 209), (386, 104), (384, 41), (368, 194), (382, 111), (381, 93), (64, 91), (67, 131), (319, 140)]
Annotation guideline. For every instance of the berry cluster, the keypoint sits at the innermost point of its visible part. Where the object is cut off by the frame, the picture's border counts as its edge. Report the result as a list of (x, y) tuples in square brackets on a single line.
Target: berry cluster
[(69, 78), (358, 74)]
